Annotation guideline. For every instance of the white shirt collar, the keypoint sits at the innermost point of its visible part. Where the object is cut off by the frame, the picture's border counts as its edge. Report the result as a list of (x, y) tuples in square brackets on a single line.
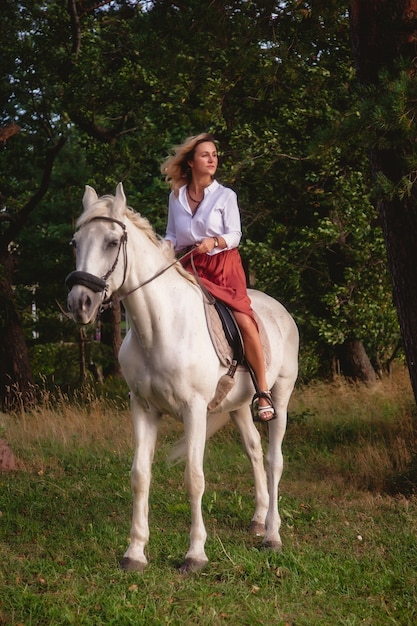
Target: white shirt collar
[(212, 187)]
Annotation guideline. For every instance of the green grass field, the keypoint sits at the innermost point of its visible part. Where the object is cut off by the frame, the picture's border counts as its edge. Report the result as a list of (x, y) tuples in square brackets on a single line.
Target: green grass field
[(349, 519)]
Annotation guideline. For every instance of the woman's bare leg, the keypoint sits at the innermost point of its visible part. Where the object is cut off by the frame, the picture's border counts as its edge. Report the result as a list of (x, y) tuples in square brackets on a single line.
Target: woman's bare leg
[(254, 355)]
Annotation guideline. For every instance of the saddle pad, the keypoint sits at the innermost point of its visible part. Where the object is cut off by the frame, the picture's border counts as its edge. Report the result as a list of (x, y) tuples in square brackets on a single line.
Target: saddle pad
[(220, 343)]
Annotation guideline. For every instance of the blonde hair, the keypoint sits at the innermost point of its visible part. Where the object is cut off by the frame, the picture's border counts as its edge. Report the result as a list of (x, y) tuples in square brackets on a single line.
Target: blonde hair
[(175, 168)]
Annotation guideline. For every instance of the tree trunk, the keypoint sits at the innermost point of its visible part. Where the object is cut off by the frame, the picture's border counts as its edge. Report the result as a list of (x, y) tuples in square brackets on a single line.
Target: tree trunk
[(82, 340), (353, 360), (111, 335), (355, 363), (399, 223), (382, 32), (16, 379)]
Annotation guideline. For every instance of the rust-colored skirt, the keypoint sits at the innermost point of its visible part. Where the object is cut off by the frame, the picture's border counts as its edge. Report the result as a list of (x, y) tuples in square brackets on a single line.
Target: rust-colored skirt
[(222, 274)]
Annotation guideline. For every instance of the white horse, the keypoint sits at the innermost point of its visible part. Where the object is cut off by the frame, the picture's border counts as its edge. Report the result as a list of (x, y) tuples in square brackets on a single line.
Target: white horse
[(171, 366)]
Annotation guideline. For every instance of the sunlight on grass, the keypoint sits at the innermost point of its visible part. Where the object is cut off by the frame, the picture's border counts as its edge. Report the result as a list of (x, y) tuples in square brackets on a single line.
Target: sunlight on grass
[(341, 400), (358, 434), (364, 436), (83, 421)]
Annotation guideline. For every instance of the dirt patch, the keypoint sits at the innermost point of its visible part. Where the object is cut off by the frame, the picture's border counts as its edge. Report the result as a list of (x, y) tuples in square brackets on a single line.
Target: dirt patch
[(7, 458)]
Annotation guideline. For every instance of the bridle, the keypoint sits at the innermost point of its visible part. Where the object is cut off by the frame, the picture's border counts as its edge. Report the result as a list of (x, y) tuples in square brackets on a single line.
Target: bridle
[(97, 284), (91, 281)]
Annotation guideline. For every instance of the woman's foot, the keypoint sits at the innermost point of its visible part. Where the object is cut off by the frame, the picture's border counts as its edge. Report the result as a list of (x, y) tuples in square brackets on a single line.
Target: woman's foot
[(262, 408), (265, 411)]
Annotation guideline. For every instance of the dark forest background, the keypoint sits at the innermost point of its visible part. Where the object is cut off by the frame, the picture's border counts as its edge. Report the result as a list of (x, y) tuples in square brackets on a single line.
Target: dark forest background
[(313, 105)]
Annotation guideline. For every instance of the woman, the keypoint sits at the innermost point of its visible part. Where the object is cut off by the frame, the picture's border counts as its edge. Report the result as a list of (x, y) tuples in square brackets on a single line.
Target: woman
[(204, 215)]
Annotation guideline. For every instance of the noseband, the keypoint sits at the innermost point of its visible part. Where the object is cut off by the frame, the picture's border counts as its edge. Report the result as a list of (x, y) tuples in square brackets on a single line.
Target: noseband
[(95, 283)]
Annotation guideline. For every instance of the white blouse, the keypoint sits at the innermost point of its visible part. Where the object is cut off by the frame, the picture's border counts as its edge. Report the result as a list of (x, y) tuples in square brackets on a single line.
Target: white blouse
[(217, 216)]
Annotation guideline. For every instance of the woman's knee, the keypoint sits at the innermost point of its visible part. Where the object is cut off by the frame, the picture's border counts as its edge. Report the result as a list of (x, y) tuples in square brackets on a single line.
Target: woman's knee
[(245, 324)]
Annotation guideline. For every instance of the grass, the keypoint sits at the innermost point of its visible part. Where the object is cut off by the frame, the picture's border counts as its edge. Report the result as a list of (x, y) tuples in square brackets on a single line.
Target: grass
[(349, 519)]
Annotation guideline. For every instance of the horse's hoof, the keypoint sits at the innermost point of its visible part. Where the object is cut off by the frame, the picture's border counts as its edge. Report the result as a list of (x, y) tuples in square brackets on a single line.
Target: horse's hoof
[(130, 565), (257, 529), (191, 566), (275, 546)]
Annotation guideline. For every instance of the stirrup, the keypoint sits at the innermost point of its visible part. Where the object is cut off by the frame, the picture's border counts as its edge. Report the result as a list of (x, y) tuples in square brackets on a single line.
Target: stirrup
[(256, 410)]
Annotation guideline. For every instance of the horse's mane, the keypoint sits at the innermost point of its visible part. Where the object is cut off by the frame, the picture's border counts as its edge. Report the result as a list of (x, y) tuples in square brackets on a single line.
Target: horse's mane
[(104, 206)]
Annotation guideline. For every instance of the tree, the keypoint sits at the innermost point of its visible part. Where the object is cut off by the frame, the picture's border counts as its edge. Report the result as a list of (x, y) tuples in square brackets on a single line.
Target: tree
[(383, 36), (123, 82), (16, 382), (35, 155), (304, 185), (35, 68)]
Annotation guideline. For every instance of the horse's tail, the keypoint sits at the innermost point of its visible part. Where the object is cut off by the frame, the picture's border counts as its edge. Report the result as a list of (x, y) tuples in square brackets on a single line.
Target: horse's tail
[(215, 421)]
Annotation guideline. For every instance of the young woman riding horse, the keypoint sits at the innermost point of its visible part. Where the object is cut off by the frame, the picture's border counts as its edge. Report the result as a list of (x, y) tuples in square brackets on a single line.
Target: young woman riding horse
[(203, 216)]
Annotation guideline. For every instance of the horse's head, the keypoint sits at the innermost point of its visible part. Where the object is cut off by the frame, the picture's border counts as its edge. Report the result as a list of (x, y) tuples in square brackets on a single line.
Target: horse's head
[(100, 250)]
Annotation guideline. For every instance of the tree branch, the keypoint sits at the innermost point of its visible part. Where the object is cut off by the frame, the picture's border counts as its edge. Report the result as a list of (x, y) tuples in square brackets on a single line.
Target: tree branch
[(75, 26), (27, 209)]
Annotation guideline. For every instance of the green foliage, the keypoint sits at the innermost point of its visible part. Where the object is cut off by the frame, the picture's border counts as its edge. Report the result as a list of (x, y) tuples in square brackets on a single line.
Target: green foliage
[(57, 364), (274, 82)]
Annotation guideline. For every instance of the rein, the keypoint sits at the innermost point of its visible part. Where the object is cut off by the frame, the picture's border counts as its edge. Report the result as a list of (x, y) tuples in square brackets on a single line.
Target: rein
[(97, 284), (112, 301), (211, 299)]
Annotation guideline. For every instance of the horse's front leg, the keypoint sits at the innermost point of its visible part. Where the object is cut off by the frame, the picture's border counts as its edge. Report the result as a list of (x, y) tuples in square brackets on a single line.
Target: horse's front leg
[(195, 421), (145, 425)]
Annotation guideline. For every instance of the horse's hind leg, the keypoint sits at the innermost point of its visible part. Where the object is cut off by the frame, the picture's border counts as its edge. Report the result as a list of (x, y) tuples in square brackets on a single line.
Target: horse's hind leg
[(251, 441), (146, 429)]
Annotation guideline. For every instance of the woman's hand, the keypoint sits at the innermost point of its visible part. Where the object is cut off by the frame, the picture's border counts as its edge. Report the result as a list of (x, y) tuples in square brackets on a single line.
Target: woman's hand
[(206, 245)]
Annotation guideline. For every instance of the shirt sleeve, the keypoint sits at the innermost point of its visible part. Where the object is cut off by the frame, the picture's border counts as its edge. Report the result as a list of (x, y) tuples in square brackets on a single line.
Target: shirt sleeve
[(231, 220)]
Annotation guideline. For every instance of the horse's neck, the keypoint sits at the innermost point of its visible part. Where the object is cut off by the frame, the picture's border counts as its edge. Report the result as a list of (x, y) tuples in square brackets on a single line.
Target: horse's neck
[(166, 307)]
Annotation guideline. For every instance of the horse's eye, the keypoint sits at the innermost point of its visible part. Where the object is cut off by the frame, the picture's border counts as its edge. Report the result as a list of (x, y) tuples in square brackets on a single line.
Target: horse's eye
[(113, 243), (73, 243)]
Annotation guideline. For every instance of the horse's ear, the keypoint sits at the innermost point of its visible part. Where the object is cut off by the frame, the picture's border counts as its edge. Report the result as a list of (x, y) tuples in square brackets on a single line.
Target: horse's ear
[(119, 198), (89, 197)]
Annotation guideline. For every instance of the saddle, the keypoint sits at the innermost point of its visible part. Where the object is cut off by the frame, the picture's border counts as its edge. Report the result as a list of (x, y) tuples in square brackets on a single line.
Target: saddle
[(231, 331), (228, 343), (226, 337), (236, 354)]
